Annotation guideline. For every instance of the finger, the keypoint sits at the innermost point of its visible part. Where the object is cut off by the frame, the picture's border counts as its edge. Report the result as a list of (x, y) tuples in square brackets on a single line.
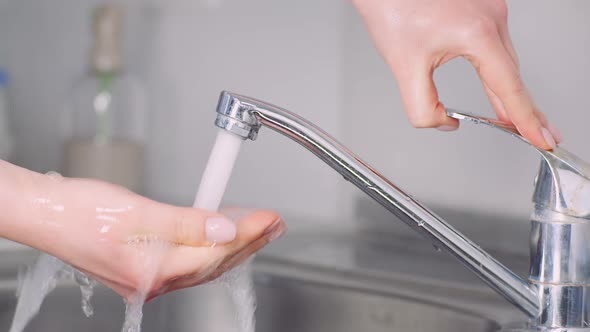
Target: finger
[(254, 231), (498, 71), (542, 118), (236, 213), (186, 226), (508, 45), (271, 234), (507, 42), (252, 227), (420, 98), (497, 104), (231, 261), (554, 131), (494, 100)]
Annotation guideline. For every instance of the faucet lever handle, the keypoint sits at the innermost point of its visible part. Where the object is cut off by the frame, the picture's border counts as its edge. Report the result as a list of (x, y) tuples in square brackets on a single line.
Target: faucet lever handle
[(494, 123), (563, 182)]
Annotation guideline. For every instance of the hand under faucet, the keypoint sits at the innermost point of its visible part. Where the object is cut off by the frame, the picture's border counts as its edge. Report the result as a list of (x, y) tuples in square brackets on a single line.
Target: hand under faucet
[(100, 228)]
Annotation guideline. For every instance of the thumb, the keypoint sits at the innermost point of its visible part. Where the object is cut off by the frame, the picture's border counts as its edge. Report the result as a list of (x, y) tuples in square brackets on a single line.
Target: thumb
[(420, 99), (187, 226)]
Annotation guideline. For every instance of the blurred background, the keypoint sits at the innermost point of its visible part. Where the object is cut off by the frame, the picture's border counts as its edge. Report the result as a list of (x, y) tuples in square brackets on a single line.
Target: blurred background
[(311, 57)]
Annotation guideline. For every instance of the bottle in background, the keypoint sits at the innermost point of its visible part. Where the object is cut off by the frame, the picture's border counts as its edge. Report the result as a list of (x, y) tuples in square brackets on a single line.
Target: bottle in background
[(105, 113), (6, 140)]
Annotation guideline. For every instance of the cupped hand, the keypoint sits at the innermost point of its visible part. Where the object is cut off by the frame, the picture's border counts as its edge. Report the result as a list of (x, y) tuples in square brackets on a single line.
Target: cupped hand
[(417, 36), (133, 245)]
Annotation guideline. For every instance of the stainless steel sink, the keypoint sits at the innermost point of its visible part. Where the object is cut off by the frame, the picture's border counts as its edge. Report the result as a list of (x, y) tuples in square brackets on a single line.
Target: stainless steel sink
[(304, 283)]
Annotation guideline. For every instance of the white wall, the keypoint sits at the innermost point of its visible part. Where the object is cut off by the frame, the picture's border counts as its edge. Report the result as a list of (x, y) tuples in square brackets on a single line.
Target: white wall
[(187, 52), (282, 52), (314, 58)]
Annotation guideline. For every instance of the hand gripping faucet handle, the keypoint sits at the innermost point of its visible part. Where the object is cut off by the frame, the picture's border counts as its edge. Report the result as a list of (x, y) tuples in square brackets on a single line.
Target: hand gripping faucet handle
[(563, 182), (560, 234)]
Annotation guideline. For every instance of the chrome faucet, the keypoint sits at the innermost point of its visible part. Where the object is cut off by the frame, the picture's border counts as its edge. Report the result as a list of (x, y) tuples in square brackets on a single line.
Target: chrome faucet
[(556, 296)]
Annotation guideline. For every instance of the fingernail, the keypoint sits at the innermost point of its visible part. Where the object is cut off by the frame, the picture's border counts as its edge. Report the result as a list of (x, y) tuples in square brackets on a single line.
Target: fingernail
[(278, 232), (548, 138), (220, 230), (555, 132), (275, 231), (446, 128)]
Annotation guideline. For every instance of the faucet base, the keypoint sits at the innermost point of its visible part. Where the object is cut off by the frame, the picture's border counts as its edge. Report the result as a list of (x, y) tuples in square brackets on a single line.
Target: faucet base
[(526, 327), (560, 269)]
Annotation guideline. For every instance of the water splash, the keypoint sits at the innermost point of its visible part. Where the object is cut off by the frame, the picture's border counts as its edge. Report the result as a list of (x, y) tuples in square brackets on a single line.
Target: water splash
[(34, 284), (37, 281), (240, 285), (87, 289), (150, 254), (133, 315), (48, 271)]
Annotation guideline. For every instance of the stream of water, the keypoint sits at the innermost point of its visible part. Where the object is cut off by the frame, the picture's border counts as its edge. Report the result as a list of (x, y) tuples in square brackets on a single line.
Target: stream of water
[(38, 281)]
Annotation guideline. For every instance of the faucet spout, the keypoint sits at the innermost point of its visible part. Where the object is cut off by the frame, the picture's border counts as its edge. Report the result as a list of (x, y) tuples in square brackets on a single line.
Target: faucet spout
[(244, 116)]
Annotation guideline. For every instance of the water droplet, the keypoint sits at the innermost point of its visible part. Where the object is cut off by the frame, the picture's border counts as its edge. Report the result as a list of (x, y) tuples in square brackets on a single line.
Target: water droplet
[(86, 288), (54, 175)]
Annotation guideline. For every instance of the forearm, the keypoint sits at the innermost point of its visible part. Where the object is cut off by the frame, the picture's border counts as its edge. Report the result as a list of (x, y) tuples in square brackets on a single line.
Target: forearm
[(42, 211), (20, 192), (102, 229)]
